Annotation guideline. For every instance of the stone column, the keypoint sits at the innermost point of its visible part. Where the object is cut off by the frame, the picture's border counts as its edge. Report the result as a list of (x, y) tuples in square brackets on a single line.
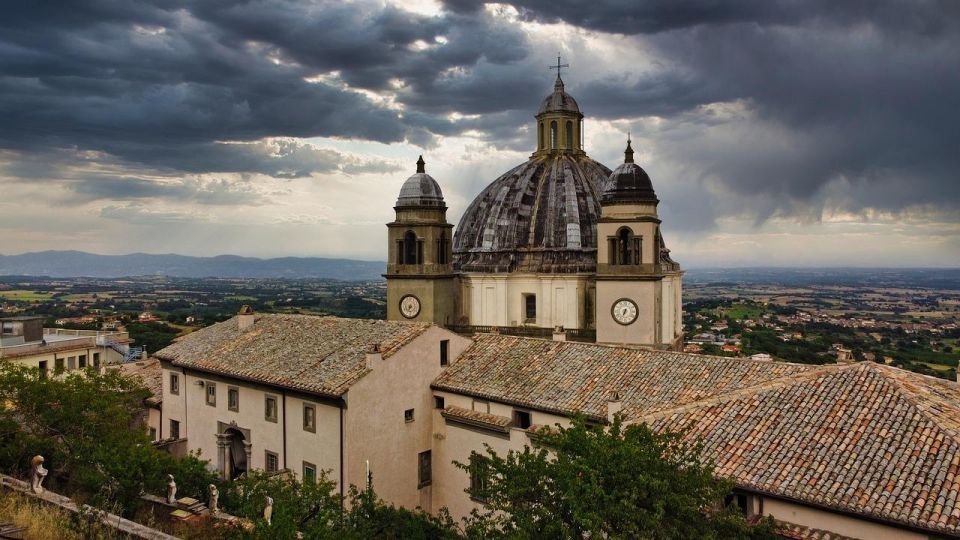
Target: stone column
[(248, 449), (223, 462)]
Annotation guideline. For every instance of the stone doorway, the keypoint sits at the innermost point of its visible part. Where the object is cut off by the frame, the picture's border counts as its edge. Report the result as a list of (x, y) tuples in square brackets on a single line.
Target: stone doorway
[(233, 450)]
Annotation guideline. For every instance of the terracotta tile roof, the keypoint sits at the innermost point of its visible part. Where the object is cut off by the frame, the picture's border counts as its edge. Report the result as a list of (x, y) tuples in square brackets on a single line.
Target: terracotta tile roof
[(565, 377), (491, 421), (792, 531), (864, 438), (322, 355), (150, 373)]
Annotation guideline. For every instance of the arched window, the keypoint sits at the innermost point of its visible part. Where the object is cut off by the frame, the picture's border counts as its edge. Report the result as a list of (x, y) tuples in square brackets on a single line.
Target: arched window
[(553, 134), (410, 248), (442, 248), (625, 238), (569, 134), (540, 137)]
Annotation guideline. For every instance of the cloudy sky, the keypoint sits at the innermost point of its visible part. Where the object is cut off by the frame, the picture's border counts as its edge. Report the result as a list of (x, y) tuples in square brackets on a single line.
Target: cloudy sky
[(777, 132)]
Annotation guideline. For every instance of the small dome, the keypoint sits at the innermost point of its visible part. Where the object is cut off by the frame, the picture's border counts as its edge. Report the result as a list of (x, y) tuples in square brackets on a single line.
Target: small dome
[(421, 189), (559, 100), (629, 183)]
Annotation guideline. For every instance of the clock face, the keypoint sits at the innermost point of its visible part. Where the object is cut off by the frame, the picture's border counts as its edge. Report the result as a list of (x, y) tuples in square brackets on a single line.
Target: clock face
[(624, 311), (409, 306)]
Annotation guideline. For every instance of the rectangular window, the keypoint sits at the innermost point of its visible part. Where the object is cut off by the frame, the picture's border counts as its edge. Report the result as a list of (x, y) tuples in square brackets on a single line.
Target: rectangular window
[(309, 418), (174, 383), (211, 394), (233, 398), (309, 473), (530, 308), (444, 352), (408, 415), (271, 461), (438, 402), (153, 434), (82, 361), (419, 251), (521, 419), (43, 368), (174, 429), (424, 469), (58, 364), (96, 359), (270, 408), (479, 477)]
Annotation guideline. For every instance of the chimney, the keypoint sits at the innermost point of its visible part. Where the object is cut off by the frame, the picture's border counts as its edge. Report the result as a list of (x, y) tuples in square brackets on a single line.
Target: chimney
[(373, 355), (245, 317), (614, 406), (559, 334)]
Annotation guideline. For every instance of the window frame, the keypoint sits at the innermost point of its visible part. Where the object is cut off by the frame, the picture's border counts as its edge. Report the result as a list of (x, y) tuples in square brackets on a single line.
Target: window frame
[(526, 308), (96, 359), (267, 398), (313, 409), (409, 416), (519, 416), (267, 454), (303, 471), (439, 402), (174, 383), (174, 429), (444, 352), (233, 391), (424, 473), (479, 475), (210, 391), (82, 361)]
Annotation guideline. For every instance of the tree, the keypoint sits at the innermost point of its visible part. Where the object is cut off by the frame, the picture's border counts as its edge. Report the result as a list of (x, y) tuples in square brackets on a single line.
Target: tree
[(591, 482), (87, 425)]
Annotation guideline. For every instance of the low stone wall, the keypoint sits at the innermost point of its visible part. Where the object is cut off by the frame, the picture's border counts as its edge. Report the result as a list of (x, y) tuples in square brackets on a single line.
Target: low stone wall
[(132, 528)]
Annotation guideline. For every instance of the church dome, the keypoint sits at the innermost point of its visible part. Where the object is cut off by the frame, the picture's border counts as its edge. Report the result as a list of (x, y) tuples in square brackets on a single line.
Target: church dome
[(629, 183), (540, 216), (420, 189), (559, 100)]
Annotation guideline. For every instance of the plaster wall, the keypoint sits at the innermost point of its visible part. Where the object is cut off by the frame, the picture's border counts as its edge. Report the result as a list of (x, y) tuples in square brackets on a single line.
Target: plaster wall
[(376, 431), (836, 523), (498, 299)]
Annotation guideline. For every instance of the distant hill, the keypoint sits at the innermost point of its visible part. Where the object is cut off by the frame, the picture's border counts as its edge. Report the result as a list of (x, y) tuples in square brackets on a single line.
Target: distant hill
[(81, 264)]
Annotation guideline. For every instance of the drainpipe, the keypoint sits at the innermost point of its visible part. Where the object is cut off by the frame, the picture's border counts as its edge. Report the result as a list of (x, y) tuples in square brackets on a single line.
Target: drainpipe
[(341, 456), (285, 464)]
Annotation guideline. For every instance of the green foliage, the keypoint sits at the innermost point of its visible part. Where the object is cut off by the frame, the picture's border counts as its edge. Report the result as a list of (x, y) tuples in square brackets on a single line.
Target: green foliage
[(88, 427), (318, 511), (620, 482), (154, 336)]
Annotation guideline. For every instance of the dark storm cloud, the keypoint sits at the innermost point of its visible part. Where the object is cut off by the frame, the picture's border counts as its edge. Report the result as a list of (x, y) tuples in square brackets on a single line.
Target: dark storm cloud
[(164, 84)]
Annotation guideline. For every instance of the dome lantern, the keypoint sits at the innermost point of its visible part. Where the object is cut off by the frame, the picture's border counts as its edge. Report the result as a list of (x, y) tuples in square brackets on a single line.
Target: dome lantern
[(559, 124)]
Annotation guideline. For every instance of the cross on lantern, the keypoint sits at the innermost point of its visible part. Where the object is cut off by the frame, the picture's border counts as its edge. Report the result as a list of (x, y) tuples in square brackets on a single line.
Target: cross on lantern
[(558, 66)]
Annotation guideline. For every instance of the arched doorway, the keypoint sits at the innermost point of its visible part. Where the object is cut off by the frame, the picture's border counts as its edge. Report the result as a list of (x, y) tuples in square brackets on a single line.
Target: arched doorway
[(237, 454)]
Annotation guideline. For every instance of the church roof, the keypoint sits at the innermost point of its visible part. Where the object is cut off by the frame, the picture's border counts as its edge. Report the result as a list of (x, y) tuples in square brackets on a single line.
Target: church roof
[(322, 355), (420, 189), (540, 216), (558, 100)]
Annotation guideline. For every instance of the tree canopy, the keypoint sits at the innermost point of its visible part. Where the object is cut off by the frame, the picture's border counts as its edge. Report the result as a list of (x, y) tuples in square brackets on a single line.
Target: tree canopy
[(596, 482)]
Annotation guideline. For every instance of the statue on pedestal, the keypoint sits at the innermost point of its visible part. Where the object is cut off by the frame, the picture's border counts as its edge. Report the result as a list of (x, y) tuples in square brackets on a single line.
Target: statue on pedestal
[(171, 490), (214, 499), (37, 474), (268, 510)]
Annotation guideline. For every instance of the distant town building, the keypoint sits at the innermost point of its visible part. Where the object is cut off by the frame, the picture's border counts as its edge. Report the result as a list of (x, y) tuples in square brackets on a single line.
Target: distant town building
[(24, 341), (763, 357)]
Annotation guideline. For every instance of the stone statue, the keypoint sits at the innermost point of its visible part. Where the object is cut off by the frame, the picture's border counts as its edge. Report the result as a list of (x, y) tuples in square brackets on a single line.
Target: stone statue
[(37, 474), (268, 510), (171, 490), (214, 499)]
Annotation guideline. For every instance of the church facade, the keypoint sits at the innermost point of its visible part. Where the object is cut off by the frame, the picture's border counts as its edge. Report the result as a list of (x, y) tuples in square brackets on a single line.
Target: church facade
[(558, 241)]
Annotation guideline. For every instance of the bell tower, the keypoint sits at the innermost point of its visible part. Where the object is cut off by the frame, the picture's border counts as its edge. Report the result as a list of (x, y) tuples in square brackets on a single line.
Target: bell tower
[(420, 279), (638, 285)]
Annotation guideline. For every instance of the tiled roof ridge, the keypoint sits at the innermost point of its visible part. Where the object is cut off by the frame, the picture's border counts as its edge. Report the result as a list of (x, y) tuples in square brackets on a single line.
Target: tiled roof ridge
[(895, 376), (638, 348), (733, 395)]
